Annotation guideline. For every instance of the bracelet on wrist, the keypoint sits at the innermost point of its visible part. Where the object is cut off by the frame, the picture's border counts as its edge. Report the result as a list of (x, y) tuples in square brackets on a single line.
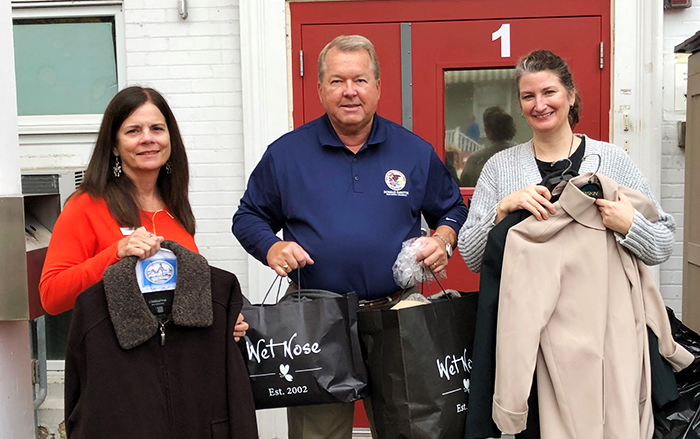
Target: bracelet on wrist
[(448, 246)]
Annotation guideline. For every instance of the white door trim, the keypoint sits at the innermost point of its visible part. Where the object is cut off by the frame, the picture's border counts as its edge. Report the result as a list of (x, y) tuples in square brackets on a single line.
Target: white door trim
[(637, 86), (265, 95), (266, 103)]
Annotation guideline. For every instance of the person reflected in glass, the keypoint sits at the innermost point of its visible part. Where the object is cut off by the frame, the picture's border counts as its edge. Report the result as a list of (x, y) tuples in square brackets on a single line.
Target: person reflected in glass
[(453, 162), (499, 129), (509, 180), (472, 131)]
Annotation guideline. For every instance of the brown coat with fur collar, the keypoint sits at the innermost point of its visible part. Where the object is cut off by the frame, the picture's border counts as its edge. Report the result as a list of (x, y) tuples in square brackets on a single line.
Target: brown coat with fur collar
[(120, 381)]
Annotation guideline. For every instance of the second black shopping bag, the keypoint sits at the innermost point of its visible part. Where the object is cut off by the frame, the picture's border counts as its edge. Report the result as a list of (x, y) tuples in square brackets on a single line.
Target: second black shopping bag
[(419, 362)]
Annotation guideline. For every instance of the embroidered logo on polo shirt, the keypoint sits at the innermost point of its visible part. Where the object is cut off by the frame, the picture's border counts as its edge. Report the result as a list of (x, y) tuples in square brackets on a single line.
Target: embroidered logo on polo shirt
[(396, 181)]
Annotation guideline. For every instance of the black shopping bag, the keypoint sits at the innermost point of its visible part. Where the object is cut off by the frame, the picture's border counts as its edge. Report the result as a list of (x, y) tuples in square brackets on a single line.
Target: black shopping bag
[(304, 350), (419, 360), (680, 419)]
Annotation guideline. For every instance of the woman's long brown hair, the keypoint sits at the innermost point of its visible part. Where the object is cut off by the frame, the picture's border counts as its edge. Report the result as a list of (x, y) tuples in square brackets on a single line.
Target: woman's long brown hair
[(119, 193)]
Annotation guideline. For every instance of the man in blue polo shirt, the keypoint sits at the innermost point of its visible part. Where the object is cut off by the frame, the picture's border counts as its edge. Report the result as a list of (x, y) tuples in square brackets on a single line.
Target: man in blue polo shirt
[(347, 189)]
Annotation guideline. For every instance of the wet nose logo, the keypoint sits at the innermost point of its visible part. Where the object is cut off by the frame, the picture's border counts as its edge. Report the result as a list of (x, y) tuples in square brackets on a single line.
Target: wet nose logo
[(159, 272), (466, 383)]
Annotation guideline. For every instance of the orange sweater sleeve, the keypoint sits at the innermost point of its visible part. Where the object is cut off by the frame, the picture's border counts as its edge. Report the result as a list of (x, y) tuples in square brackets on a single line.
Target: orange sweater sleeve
[(83, 243)]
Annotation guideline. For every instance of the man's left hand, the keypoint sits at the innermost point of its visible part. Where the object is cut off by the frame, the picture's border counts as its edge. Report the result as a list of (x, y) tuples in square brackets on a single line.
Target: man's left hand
[(617, 215), (434, 254)]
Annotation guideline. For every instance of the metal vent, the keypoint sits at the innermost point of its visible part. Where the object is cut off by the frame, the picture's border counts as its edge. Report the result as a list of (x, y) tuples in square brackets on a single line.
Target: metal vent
[(40, 184), (79, 176)]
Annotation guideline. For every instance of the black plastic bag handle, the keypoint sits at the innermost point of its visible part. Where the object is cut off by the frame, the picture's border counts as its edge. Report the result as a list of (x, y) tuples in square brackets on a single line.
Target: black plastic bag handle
[(279, 287), (434, 277)]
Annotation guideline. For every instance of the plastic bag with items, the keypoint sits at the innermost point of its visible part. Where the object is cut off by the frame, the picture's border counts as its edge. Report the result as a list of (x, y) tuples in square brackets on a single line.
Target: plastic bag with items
[(407, 270)]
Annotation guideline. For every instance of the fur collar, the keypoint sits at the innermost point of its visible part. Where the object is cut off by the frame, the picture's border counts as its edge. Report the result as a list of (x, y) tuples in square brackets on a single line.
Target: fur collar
[(133, 322)]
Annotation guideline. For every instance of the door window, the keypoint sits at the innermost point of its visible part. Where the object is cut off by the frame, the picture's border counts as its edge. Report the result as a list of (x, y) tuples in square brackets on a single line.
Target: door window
[(482, 117)]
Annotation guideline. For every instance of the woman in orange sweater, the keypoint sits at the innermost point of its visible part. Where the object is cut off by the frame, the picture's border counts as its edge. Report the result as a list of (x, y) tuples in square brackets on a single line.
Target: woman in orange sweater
[(134, 195)]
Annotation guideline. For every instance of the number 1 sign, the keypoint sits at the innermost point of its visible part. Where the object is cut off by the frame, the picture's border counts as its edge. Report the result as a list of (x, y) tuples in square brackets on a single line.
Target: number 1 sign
[(503, 33)]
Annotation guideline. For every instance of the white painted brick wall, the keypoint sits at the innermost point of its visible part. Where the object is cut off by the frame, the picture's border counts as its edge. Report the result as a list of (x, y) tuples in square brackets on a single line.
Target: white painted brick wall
[(195, 63), (679, 25)]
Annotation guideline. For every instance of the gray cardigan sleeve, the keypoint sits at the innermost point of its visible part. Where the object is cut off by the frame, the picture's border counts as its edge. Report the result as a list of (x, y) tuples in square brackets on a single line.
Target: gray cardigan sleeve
[(482, 212), (650, 242)]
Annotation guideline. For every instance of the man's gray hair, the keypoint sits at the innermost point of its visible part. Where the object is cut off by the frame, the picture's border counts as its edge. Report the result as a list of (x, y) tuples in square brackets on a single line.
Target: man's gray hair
[(349, 43)]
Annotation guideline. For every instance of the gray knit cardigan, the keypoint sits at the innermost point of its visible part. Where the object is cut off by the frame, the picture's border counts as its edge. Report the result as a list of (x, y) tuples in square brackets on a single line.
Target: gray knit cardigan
[(515, 168)]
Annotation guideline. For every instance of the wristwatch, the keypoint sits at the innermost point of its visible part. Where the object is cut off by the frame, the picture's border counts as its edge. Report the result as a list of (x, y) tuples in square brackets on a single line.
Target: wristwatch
[(448, 246)]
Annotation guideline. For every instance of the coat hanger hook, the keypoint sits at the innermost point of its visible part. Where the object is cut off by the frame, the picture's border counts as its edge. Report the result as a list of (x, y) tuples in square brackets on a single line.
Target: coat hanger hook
[(568, 167), (599, 161)]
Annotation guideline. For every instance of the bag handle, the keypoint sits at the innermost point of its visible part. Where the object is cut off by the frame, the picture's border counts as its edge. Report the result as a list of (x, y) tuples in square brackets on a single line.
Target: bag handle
[(279, 287), (298, 281), (434, 277)]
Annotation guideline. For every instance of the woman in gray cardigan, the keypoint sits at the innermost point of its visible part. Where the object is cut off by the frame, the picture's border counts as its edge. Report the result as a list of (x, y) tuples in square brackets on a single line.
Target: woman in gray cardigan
[(509, 180)]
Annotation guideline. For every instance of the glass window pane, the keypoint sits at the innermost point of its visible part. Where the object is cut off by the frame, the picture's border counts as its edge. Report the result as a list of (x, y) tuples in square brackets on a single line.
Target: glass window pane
[(479, 119), (64, 66)]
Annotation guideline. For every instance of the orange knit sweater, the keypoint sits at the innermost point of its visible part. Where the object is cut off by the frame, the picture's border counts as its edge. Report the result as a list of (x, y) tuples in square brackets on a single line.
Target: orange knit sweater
[(84, 243)]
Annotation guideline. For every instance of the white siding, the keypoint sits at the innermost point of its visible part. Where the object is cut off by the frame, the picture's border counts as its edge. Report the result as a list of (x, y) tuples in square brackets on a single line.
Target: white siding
[(679, 25)]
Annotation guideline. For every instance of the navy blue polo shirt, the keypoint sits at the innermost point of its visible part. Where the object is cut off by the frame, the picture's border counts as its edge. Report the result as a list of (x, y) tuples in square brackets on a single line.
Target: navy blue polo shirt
[(350, 212)]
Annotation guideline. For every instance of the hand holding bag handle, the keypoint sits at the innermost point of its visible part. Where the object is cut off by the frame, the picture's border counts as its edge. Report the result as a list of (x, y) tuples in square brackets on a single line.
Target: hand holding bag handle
[(309, 294), (304, 293)]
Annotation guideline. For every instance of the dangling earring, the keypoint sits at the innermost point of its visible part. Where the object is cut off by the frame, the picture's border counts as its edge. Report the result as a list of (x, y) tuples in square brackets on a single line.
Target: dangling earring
[(117, 169), (168, 167), (571, 108)]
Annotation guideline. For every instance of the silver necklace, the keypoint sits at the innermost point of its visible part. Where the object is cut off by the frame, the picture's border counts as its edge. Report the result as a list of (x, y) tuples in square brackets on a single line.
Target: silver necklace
[(551, 164)]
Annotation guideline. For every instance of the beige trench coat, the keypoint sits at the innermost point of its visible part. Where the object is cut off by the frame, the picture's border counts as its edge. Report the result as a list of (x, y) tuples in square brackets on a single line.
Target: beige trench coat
[(574, 304)]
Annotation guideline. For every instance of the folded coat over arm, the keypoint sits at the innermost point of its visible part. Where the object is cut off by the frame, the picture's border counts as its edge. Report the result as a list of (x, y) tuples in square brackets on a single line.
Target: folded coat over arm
[(574, 305)]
